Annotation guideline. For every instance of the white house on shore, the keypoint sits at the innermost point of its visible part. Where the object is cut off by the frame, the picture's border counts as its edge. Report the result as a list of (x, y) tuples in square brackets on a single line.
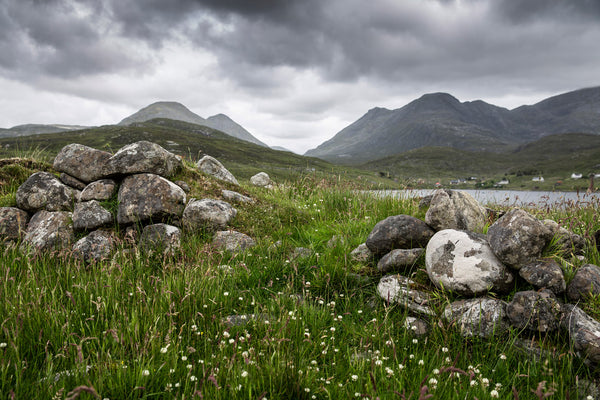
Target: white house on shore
[(538, 179), (576, 176)]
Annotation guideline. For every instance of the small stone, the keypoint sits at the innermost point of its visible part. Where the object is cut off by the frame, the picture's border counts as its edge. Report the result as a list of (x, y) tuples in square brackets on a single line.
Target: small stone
[(211, 166), (262, 179), (233, 241), (103, 189), (91, 215), (399, 259), (13, 223)]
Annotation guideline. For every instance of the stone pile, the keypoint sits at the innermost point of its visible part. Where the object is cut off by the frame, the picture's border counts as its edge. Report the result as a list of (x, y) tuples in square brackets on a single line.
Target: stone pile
[(462, 260), (98, 194)]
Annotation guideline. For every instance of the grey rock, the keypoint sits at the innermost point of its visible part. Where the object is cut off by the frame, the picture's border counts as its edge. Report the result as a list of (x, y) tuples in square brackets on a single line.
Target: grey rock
[(90, 215), (211, 166), (425, 201), (43, 191), (162, 237), (262, 179), (535, 311), (400, 289), (82, 162), (236, 197), (183, 185), (207, 214), (463, 262), (143, 158), (103, 189), (95, 247), (144, 197), (566, 241), (399, 259), (13, 223), (518, 238), (483, 317), (586, 282), (233, 241), (398, 232), (361, 253), (545, 274), (451, 209), (583, 330), (416, 326), (49, 230), (71, 181), (301, 252)]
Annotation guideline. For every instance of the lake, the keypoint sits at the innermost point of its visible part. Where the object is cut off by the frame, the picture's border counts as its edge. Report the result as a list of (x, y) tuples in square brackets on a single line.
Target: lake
[(511, 197)]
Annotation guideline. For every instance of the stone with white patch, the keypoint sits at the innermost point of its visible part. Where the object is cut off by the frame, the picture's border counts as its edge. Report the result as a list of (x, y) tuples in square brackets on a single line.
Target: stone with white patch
[(463, 262)]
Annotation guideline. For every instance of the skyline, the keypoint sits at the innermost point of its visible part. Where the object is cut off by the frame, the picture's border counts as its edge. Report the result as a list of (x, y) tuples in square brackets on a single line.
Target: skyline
[(293, 73)]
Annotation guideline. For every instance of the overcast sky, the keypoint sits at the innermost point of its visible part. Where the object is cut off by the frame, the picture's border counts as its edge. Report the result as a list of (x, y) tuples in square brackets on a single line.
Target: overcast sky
[(292, 72)]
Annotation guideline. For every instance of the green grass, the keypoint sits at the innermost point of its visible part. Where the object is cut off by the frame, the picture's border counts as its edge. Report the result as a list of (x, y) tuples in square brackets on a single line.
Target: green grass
[(144, 326)]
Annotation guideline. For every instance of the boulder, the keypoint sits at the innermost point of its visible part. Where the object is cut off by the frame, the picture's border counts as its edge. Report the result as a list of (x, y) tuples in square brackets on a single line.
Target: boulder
[(95, 247), (236, 197), (416, 326), (233, 241), (400, 289), (583, 330), (49, 230), (483, 317), (211, 166), (71, 181), (262, 179), (399, 259), (99, 190), (207, 214), (586, 282), (361, 253), (464, 263), (518, 238), (13, 223), (143, 158), (162, 237), (43, 191), (144, 197), (81, 162), (90, 215), (537, 311), (450, 209), (398, 232), (545, 274), (566, 241)]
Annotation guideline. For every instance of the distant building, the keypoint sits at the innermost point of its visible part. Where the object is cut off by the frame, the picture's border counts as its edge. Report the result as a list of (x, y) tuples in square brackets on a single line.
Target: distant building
[(538, 179), (576, 176), (503, 182)]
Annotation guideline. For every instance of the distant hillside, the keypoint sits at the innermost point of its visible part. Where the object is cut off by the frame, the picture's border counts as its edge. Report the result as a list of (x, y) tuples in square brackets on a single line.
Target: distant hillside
[(441, 120), (179, 112), (35, 129)]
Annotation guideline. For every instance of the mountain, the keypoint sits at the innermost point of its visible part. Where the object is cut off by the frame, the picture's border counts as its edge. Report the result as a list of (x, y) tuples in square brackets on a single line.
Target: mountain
[(177, 111), (439, 119), (36, 129)]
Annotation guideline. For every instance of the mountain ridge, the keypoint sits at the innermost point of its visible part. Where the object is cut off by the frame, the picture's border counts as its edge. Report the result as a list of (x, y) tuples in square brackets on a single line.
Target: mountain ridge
[(439, 119)]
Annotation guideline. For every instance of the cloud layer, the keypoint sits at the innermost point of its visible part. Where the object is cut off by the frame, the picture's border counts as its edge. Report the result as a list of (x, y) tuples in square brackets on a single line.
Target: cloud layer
[(293, 72)]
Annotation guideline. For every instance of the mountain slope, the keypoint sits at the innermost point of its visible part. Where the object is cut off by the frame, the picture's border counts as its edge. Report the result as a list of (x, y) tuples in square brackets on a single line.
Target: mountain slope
[(439, 119), (36, 129), (177, 111)]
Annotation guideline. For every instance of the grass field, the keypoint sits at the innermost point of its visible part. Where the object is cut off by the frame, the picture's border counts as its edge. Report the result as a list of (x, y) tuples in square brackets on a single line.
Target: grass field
[(208, 324)]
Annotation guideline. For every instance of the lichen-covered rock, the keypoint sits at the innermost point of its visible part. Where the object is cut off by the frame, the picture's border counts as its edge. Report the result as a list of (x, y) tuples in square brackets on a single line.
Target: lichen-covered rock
[(566, 241), (143, 158), (399, 259), (95, 247), (90, 215), (398, 232), (144, 197), (13, 223), (586, 282), (82, 162), (49, 230), (361, 253), (451, 209), (99, 190), (463, 262), (43, 191), (262, 179), (400, 289), (207, 214), (416, 326), (534, 310), (235, 197), (233, 241), (583, 330), (183, 185), (518, 238), (483, 317), (211, 166), (161, 237), (71, 181), (545, 274)]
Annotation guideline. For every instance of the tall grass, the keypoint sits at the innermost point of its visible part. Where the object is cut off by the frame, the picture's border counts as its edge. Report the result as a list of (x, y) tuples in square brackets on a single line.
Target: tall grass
[(266, 326)]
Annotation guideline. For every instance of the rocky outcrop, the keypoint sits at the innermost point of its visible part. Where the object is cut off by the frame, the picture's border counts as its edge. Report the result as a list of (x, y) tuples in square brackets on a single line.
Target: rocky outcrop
[(211, 166)]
